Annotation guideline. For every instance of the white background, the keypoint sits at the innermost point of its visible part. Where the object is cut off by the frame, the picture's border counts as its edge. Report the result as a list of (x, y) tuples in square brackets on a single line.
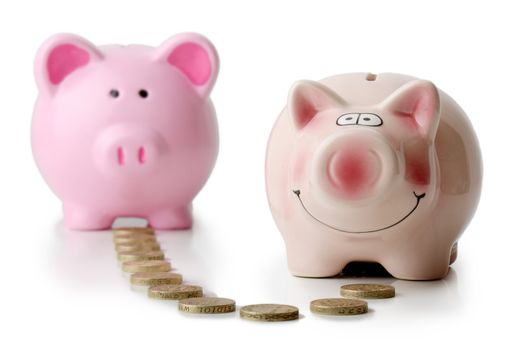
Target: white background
[(64, 289)]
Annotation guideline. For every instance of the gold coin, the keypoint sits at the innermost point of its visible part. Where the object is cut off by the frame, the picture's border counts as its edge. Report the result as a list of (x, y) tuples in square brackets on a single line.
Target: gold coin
[(136, 247), (269, 312), (203, 305), (368, 291), (135, 239), (141, 256), (132, 237), (126, 231), (155, 278), (339, 306), (146, 266), (174, 292)]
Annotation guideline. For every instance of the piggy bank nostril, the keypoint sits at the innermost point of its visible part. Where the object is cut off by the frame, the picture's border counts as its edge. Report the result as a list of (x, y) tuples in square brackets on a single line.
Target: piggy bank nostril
[(120, 156), (141, 155)]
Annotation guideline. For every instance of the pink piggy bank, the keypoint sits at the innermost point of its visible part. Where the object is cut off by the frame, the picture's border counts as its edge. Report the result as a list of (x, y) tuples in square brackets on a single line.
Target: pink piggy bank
[(365, 168), (125, 130)]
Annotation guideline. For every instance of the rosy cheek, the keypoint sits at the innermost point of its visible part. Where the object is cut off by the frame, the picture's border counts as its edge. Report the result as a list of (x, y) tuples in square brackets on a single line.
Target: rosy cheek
[(299, 168), (417, 172)]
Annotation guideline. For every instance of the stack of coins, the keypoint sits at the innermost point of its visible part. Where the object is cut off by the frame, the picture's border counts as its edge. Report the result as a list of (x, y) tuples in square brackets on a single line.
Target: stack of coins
[(135, 240), (140, 254)]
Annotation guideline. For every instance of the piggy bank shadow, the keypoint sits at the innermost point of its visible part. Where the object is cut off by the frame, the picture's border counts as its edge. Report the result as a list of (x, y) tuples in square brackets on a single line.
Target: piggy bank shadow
[(87, 259), (413, 299)]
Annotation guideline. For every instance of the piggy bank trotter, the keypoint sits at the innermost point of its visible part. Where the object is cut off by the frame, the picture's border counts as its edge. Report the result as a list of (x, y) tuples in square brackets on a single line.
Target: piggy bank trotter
[(125, 130), (365, 168)]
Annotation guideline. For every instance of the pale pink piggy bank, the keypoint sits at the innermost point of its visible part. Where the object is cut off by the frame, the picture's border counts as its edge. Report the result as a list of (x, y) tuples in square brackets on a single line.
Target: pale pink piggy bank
[(125, 131), (365, 168)]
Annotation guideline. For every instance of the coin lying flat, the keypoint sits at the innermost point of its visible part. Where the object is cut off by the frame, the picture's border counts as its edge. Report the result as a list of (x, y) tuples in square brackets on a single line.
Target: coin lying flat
[(203, 305), (339, 306), (174, 292), (146, 266), (368, 291), (269, 312), (132, 237), (141, 256), (135, 239), (125, 231), (155, 278), (136, 247)]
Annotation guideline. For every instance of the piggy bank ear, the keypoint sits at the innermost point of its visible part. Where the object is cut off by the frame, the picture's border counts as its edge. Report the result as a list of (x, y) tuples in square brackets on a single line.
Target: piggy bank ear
[(194, 56), (60, 56), (307, 98), (419, 102)]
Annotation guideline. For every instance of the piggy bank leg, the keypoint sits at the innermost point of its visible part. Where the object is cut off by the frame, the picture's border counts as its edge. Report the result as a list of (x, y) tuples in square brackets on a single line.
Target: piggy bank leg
[(172, 219), (419, 264), (314, 263), (85, 219)]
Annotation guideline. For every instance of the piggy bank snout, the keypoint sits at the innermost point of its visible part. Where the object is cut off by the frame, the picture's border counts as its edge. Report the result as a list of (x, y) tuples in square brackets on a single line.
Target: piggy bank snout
[(353, 172), (127, 148), (132, 152), (354, 166)]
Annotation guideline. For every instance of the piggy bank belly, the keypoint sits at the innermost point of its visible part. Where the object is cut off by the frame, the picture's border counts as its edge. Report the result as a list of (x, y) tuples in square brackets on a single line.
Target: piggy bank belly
[(126, 170), (385, 170)]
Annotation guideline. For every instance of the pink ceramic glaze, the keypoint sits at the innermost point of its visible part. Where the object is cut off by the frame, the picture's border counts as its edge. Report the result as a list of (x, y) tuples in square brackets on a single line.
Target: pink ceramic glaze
[(371, 168), (125, 130)]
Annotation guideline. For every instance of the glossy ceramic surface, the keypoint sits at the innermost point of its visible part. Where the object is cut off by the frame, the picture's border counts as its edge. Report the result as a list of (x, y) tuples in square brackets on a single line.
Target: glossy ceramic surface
[(372, 168), (125, 130)]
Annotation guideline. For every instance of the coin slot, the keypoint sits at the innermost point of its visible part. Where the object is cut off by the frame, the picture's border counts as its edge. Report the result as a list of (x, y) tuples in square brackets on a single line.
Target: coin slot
[(371, 77)]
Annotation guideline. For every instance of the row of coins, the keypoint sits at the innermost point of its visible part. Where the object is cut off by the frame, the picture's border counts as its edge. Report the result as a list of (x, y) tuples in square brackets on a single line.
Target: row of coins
[(140, 254)]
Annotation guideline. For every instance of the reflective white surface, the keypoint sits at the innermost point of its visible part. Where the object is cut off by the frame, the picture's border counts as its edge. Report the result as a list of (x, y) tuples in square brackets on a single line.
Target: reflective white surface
[(64, 286)]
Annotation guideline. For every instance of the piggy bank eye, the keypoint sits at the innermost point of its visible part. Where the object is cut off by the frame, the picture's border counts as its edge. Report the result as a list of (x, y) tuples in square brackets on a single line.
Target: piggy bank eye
[(369, 119), (143, 93), (114, 93), (348, 119)]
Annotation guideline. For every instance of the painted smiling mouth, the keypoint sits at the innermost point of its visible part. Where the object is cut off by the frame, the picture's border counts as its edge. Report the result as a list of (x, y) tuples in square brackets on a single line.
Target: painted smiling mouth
[(417, 196)]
